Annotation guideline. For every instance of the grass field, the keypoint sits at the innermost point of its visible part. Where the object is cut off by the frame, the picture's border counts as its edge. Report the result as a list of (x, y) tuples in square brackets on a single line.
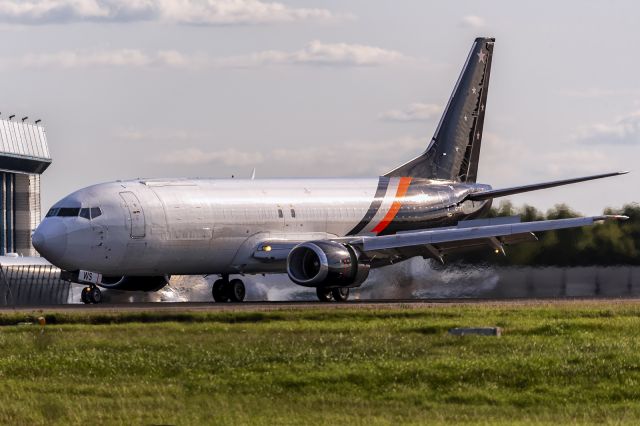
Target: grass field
[(564, 363)]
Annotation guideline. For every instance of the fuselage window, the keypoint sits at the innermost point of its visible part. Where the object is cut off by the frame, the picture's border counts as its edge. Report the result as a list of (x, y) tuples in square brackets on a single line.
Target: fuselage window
[(293, 213), (68, 212), (95, 212), (85, 213), (280, 215)]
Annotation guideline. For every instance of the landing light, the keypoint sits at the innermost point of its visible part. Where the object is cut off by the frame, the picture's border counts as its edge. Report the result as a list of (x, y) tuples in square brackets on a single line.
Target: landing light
[(266, 248), (497, 251)]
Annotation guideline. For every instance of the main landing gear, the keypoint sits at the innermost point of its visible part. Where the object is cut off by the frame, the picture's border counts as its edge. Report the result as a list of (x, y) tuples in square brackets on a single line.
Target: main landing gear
[(339, 294), (224, 290), (91, 294)]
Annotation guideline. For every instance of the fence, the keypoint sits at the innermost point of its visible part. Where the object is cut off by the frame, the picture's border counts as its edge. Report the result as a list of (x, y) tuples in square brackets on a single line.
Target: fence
[(31, 281)]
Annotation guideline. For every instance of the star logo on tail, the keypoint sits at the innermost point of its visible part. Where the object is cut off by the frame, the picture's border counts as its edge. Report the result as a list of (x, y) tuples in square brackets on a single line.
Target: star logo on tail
[(482, 57)]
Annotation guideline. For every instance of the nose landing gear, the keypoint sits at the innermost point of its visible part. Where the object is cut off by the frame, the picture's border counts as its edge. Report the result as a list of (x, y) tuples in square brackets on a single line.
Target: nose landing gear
[(224, 290), (91, 294)]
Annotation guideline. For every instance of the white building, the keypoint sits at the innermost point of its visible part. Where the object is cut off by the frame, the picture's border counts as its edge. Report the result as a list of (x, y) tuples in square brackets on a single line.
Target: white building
[(24, 156)]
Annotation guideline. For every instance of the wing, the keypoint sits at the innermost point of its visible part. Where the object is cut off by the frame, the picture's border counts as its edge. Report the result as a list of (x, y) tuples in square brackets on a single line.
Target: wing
[(440, 241)]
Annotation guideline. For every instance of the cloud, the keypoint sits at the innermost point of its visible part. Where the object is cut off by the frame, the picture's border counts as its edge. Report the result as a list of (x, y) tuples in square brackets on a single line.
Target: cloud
[(315, 53), (229, 12), (195, 156), (323, 160), (573, 162), (624, 130), (473, 21), (189, 12), (132, 58), (414, 112), (318, 53), (132, 134), (598, 93), (307, 160), (504, 161), (81, 59), (189, 156)]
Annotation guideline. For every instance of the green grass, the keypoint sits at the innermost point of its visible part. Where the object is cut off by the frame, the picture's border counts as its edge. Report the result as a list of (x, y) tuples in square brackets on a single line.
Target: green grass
[(567, 363)]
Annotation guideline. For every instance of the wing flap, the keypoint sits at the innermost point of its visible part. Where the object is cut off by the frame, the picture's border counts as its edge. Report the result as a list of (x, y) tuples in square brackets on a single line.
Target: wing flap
[(456, 246)]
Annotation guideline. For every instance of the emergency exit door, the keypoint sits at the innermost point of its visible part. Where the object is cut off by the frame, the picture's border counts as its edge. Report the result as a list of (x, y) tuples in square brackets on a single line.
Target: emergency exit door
[(136, 214)]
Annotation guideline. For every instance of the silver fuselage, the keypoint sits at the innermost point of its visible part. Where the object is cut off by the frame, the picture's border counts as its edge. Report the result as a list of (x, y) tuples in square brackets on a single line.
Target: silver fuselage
[(212, 226)]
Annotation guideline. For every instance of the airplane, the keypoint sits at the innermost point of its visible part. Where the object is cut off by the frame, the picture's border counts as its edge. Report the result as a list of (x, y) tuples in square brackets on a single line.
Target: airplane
[(324, 233)]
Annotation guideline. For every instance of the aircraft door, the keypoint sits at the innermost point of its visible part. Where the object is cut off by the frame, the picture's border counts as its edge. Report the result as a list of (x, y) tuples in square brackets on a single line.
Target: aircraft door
[(136, 214), (292, 220)]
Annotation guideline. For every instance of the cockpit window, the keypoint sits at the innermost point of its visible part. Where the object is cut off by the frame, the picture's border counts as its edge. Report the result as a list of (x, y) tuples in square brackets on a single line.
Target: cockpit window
[(68, 212), (85, 212), (95, 212)]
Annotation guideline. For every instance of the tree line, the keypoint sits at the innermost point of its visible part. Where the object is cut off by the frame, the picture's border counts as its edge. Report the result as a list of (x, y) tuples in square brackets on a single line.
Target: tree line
[(609, 243)]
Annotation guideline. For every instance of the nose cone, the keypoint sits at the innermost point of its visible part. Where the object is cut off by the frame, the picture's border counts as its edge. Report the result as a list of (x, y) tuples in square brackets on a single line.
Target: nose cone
[(50, 239)]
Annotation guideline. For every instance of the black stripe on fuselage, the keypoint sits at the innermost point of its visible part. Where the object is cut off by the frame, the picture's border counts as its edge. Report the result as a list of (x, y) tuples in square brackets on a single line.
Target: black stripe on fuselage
[(383, 184)]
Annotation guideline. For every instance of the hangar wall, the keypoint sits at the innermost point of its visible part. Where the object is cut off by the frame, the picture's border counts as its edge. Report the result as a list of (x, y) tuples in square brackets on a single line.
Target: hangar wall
[(24, 156)]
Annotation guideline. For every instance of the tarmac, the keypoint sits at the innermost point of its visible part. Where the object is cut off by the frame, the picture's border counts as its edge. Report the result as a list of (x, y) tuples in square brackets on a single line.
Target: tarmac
[(298, 305)]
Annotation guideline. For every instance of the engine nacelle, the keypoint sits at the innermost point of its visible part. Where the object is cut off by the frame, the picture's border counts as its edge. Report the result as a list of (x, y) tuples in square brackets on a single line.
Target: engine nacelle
[(326, 264), (135, 283)]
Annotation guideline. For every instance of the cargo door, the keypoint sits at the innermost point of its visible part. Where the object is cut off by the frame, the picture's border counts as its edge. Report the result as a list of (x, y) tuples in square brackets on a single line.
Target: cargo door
[(136, 214)]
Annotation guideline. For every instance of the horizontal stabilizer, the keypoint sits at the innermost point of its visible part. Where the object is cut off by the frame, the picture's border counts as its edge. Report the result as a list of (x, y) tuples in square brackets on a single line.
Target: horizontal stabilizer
[(495, 193)]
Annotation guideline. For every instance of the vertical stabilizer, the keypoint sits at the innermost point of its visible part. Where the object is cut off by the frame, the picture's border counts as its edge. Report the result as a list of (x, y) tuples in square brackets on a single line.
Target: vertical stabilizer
[(454, 150)]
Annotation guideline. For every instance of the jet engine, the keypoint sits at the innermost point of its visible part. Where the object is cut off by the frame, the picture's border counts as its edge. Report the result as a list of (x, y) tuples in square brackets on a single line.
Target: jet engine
[(326, 264), (135, 283)]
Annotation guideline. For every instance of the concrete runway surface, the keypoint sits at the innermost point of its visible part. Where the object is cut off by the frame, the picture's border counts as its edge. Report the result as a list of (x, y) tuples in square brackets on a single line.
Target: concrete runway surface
[(270, 306)]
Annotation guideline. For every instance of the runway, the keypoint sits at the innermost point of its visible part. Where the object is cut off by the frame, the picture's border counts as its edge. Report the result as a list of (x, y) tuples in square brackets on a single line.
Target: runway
[(297, 305)]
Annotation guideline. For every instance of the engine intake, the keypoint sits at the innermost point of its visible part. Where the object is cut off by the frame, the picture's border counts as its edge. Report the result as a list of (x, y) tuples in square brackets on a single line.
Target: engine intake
[(326, 264)]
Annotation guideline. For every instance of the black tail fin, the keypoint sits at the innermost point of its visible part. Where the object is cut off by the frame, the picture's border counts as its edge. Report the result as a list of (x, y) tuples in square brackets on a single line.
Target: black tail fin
[(454, 151)]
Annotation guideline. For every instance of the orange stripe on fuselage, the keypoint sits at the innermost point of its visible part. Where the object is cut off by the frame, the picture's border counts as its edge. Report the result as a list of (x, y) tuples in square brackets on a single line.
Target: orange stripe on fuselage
[(395, 207)]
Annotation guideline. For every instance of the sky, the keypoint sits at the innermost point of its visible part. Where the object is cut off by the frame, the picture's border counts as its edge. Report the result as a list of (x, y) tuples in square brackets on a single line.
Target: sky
[(349, 88)]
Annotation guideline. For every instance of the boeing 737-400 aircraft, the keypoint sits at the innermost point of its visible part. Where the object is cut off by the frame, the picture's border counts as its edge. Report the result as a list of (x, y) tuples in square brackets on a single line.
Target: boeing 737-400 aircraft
[(324, 233)]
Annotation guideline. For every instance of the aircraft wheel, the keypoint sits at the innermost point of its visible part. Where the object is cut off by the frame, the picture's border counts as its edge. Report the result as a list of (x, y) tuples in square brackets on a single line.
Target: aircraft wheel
[(235, 290), (218, 291), (95, 295), (340, 294), (84, 296), (324, 294)]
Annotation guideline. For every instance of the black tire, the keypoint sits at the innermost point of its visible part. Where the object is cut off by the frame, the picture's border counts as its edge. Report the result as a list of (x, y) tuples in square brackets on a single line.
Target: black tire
[(340, 294), (218, 291), (235, 291), (324, 294), (95, 295), (84, 296)]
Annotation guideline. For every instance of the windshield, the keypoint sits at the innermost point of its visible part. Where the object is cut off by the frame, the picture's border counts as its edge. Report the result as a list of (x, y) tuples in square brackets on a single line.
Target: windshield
[(85, 212)]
